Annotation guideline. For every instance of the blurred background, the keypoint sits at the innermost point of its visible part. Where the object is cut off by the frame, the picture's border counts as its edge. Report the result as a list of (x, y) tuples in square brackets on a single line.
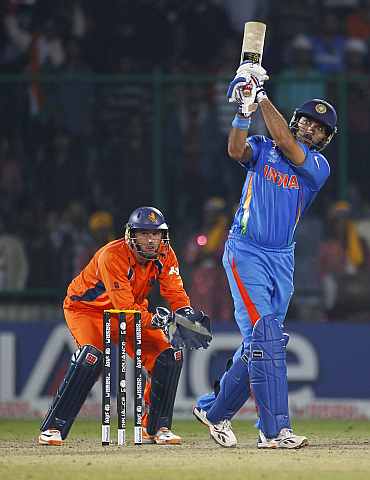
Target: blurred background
[(107, 106)]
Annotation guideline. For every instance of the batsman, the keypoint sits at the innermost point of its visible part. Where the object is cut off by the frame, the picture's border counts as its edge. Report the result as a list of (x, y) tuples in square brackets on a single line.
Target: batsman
[(284, 174), (120, 276)]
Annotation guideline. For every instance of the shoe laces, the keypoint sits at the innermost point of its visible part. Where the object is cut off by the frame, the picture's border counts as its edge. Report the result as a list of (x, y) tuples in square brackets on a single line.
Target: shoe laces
[(164, 431), (224, 425), (284, 433)]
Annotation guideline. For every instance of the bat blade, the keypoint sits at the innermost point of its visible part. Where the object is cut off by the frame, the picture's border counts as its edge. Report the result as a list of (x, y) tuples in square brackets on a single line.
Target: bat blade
[(253, 42)]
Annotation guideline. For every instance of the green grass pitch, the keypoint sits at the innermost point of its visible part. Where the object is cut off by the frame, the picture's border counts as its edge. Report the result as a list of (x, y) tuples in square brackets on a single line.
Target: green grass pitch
[(339, 450)]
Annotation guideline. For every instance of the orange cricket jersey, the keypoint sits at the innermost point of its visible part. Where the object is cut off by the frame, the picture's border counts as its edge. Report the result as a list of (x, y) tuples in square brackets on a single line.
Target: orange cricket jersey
[(114, 279)]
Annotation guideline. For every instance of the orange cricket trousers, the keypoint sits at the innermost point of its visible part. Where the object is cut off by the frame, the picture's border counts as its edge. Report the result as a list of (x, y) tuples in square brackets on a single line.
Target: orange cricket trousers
[(86, 327)]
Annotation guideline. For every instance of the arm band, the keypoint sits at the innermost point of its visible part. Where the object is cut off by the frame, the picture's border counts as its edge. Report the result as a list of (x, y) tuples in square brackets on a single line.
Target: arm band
[(241, 123)]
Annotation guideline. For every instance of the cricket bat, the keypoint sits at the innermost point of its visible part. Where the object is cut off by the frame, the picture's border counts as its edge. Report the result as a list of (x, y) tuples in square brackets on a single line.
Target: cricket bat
[(253, 42), (252, 50)]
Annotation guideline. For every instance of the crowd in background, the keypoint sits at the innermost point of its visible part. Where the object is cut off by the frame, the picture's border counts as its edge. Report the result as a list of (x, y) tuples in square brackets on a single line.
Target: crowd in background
[(76, 149)]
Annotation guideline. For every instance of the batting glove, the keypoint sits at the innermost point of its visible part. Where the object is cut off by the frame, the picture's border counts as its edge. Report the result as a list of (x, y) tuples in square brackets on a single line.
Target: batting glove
[(260, 90), (249, 68), (241, 91)]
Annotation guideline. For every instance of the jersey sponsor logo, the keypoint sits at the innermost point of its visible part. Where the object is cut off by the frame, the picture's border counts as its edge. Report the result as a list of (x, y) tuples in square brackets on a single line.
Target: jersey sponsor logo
[(174, 271), (279, 178)]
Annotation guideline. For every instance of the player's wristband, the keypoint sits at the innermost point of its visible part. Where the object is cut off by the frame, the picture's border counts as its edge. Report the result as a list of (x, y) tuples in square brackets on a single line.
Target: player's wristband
[(241, 123), (261, 95)]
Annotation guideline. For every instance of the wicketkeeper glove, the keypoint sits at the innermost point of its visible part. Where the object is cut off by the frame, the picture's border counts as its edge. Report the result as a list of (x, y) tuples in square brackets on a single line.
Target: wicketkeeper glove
[(191, 329), (161, 318)]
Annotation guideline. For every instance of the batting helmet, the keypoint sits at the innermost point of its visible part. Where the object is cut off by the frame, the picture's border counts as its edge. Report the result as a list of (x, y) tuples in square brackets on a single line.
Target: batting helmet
[(322, 112), (146, 218)]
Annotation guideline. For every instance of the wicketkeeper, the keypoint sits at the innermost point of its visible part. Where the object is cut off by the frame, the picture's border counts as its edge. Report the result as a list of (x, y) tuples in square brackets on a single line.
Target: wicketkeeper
[(120, 276), (283, 176)]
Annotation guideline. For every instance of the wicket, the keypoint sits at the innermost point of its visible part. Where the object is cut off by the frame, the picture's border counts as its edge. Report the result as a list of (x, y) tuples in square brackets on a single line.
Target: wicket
[(121, 377)]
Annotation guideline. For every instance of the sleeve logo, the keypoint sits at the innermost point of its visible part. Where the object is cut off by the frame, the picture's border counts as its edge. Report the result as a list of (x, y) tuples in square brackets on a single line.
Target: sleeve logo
[(174, 271)]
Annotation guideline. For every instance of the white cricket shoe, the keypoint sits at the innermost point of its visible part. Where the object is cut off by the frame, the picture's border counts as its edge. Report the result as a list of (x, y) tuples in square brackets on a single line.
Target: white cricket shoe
[(164, 436), (50, 437), (221, 432), (285, 439)]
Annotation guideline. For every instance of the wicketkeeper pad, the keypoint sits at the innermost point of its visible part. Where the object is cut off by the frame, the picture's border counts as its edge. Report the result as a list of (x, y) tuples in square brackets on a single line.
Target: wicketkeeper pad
[(165, 378), (84, 370)]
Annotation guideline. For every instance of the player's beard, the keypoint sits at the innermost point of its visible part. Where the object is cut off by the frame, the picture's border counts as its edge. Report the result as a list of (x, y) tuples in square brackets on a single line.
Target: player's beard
[(305, 137), (149, 253)]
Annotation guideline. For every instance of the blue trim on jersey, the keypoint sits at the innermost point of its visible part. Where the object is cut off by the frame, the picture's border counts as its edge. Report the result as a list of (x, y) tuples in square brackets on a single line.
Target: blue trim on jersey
[(91, 294)]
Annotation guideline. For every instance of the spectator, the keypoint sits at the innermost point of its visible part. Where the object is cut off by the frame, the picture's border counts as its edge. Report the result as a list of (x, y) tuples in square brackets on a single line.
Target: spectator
[(358, 107), (189, 134), (76, 95), (101, 230), (71, 241), (60, 171), (34, 225), (358, 22), (203, 253), (13, 261), (344, 264), (287, 20), (17, 28), (300, 80), (328, 44), (201, 20), (11, 177)]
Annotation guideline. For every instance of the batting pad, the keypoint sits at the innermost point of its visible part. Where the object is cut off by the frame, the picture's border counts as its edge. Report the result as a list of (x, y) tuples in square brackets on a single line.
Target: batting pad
[(268, 375)]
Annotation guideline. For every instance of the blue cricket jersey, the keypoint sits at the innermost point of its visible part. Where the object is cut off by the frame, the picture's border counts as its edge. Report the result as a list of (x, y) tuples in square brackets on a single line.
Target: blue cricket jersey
[(276, 193)]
